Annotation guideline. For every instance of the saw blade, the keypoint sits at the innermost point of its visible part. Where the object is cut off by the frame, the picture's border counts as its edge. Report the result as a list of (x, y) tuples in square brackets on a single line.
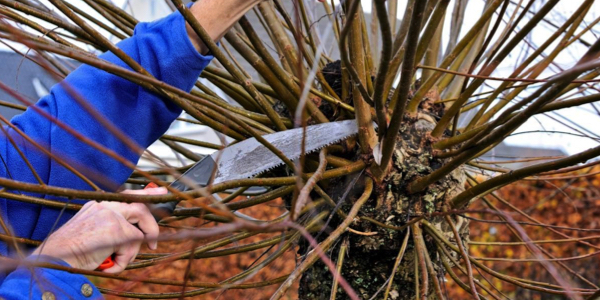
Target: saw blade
[(250, 158)]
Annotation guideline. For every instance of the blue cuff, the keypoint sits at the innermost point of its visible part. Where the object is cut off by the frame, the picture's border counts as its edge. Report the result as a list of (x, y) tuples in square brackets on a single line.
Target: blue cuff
[(28, 282), (194, 58), (167, 40)]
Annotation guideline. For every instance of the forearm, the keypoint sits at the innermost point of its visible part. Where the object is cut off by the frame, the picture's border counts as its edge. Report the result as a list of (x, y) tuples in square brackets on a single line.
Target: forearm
[(216, 17), (169, 51), (164, 49)]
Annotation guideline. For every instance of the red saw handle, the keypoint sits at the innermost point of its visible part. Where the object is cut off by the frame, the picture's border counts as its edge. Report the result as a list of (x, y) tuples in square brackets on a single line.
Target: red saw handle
[(109, 262)]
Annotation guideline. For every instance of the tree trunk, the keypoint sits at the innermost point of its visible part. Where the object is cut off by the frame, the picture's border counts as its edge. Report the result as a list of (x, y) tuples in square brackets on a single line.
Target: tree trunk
[(372, 252)]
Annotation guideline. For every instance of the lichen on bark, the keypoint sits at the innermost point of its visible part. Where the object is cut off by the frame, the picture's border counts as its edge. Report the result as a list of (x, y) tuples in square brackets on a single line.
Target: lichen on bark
[(370, 257)]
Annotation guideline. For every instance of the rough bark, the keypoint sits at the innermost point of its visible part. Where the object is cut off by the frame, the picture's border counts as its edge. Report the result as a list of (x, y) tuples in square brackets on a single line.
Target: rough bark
[(370, 258)]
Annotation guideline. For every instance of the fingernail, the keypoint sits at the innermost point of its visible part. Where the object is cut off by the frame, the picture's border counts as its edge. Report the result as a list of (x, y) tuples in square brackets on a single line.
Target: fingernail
[(157, 191)]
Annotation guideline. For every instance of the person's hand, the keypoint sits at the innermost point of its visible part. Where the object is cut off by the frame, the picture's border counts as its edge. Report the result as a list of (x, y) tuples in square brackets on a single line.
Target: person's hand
[(100, 229), (216, 17)]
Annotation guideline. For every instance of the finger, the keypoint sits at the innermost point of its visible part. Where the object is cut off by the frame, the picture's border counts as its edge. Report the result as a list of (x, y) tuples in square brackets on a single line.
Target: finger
[(88, 205), (138, 213), (147, 191), (128, 248), (146, 223), (122, 258), (86, 209)]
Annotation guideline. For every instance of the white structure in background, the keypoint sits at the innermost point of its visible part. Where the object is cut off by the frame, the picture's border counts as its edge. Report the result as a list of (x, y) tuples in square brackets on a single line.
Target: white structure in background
[(148, 10)]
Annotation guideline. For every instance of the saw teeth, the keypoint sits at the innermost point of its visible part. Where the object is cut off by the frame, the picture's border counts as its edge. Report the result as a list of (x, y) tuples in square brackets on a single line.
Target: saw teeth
[(280, 163)]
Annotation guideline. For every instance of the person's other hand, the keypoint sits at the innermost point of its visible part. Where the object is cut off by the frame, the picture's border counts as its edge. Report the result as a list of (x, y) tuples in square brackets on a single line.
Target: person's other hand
[(101, 229), (216, 17)]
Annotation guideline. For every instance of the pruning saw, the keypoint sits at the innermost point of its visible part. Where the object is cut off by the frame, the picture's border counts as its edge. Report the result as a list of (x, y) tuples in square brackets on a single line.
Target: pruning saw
[(249, 158)]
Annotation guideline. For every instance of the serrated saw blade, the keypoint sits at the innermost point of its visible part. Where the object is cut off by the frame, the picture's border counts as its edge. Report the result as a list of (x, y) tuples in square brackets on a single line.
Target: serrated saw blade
[(250, 158)]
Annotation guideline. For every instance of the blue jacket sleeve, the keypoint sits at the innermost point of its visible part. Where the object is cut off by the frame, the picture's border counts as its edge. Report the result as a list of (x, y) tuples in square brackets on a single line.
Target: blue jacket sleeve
[(162, 48), (33, 283)]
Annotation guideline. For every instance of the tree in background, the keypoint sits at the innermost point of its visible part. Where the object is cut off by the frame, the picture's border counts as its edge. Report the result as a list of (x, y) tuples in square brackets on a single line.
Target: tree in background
[(385, 214)]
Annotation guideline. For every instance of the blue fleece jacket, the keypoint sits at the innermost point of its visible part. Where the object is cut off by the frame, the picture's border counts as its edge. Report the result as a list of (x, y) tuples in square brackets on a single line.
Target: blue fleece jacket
[(164, 49)]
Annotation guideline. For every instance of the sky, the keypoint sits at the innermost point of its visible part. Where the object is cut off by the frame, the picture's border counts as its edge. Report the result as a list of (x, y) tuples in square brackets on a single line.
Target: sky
[(528, 134), (586, 116)]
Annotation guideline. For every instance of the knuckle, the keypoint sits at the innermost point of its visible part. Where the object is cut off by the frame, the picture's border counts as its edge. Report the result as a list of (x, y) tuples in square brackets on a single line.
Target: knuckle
[(131, 253), (138, 234), (89, 203), (115, 227), (102, 203), (105, 212)]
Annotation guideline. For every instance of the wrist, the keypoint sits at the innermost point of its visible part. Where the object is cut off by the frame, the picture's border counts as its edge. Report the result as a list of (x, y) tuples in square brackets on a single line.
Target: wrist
[(216, 17), (48, 252), (42, 258)]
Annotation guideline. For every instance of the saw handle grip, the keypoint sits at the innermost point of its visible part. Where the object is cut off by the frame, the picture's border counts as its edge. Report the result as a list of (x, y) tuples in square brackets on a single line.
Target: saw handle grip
[(198, 175), (108, 263)]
